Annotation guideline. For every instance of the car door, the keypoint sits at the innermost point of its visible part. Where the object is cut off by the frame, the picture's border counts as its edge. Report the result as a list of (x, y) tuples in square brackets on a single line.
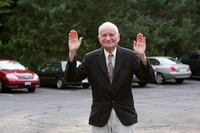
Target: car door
[(55, 73), (194, 62), (44, 73)]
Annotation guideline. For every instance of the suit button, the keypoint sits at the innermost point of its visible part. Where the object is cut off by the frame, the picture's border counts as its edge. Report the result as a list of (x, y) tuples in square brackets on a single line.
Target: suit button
[(112, 103)]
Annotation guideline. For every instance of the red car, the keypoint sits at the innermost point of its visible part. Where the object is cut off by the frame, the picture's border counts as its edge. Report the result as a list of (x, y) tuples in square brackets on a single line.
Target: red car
[(13, 75)]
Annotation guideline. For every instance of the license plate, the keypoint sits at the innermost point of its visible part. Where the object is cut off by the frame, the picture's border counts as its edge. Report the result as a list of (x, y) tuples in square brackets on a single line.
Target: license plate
[(182, 70), (27, 83)]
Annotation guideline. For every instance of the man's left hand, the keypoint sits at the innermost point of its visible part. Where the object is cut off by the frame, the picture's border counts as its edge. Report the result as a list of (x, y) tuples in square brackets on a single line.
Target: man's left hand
[(140, 46)]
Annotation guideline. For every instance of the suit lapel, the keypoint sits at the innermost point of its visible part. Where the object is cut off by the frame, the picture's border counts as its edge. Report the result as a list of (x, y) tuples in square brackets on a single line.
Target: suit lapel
[(119, 61), (102, 62)]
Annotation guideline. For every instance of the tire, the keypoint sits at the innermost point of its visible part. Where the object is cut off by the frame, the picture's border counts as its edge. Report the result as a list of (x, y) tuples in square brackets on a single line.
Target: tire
[(160, 79), (59, 83), (2, 89), (142, 84), (179, 80), (31, 89), (85, 85)]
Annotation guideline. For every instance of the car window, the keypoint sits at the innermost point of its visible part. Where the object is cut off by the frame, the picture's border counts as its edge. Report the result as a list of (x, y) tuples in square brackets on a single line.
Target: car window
[(184, 56), (78, 63), (47, 67), (64, 63), (11, 65), (170, 61), (195, 56), (56, 67), (154, 62)]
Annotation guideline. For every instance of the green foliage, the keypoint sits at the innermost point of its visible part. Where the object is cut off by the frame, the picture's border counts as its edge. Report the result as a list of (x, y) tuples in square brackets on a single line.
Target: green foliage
[(36, 31)]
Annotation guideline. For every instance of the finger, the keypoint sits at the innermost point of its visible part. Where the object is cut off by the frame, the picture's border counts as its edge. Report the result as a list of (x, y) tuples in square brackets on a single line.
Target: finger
[(144, 40), (70, 34), (80, 39), (139, 37), (134, 44), (73, 34)]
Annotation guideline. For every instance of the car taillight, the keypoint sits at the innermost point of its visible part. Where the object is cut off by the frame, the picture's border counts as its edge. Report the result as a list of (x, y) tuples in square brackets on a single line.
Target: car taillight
[(154, 69), (172, 68), (188, 68)]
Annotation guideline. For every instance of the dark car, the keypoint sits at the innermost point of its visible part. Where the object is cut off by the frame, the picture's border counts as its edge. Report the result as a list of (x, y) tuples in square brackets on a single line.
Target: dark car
[(13, 75), (139, 82), (192, 58), (53, 73)]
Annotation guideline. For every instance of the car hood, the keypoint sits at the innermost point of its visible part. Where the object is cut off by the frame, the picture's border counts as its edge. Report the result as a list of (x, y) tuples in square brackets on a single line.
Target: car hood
[(17, 72)]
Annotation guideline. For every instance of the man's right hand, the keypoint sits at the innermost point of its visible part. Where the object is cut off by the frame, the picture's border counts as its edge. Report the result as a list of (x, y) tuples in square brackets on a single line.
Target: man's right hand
[(74, 44)]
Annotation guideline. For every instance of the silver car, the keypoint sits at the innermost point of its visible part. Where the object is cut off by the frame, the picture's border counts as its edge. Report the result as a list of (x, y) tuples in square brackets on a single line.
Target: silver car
[(139, 82), (169, 68)]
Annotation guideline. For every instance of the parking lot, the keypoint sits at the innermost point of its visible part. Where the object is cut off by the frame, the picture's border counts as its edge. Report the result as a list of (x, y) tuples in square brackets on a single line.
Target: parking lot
[(166, 108)]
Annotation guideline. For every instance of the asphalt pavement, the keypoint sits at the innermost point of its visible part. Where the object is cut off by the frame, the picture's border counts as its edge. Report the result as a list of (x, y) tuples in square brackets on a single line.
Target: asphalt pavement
[(167, 108)]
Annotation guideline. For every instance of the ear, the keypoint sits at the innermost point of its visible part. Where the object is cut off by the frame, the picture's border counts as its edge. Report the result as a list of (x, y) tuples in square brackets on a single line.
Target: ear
[(118, 37)]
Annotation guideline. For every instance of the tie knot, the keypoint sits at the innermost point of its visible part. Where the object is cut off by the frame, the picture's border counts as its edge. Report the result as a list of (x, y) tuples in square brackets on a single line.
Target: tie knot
[(110, 56)]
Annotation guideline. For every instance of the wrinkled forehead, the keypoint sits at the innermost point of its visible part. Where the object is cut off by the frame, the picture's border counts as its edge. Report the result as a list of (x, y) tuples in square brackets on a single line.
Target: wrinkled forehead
[(108, 27)]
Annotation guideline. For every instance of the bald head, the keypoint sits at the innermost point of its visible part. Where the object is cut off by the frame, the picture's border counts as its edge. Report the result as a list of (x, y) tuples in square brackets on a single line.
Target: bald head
[(109, 24)]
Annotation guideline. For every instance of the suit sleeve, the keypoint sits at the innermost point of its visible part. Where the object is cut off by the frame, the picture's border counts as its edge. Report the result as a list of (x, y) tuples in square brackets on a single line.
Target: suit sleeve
[(147, 73), (76, 74), (70, 71)]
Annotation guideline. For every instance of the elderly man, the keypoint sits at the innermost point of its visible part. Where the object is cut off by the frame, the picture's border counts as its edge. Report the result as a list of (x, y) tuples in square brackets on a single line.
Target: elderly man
[(110, 70)]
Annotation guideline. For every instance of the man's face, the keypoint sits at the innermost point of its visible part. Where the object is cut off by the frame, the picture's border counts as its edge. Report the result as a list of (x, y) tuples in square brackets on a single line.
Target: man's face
[(108, 37)]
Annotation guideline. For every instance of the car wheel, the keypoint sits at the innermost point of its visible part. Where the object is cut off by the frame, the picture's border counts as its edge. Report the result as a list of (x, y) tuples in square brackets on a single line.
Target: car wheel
[(85, 85), (31, 89), (142, 84), (160, 79), (179, 80), (59, 84), (2, 89)]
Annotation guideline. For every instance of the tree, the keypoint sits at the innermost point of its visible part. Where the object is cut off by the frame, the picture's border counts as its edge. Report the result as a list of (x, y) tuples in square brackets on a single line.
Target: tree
[(36, 31)]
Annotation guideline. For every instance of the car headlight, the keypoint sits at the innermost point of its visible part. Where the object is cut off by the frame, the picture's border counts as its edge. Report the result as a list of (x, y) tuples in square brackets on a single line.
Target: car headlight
[(35, 76), (11, 76)]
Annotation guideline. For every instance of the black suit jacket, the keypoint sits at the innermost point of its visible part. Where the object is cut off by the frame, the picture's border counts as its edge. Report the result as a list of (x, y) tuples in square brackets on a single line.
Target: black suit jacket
[(117, 95)]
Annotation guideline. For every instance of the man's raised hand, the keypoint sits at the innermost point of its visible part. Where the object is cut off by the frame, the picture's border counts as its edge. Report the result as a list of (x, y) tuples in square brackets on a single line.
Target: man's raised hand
[(140, 44), (73, 42)]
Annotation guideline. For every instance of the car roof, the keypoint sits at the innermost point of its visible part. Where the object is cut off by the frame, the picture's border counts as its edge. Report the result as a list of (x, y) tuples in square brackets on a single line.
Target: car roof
[(6, 60), (193, 51), (159, 57), (62, 61)]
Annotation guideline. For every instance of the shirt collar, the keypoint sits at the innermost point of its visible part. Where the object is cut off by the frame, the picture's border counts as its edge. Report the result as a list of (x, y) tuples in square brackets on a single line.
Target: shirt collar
[(114, 52)]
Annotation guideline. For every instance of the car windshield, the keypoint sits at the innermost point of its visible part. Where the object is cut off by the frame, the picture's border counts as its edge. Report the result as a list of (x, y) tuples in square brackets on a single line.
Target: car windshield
[(170, 61), (11, 65)]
